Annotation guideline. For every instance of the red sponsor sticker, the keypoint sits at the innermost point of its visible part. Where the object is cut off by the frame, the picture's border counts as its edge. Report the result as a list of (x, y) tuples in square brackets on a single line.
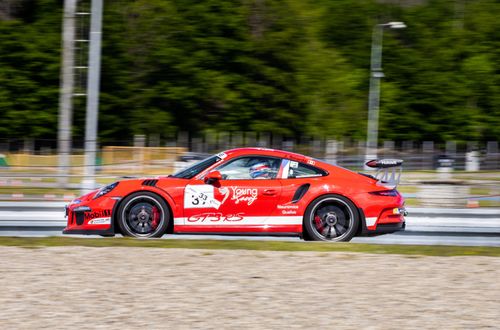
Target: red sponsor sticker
[(215, 217), (97, 214)]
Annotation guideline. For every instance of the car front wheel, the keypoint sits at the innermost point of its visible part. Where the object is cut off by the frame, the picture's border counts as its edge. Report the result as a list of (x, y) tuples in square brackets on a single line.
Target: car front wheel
[(331, 218), (143, 214)]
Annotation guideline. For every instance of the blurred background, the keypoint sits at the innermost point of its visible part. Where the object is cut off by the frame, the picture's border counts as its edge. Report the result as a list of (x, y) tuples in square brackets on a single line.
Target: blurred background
[(173, 81)]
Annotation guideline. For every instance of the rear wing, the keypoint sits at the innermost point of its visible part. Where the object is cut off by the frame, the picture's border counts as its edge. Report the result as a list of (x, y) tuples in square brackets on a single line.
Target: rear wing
[(388, 171)]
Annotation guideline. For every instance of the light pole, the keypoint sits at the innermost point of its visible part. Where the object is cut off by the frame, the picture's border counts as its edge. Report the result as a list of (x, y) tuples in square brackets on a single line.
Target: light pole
[(88, 182), (66, 93), (374, 96)]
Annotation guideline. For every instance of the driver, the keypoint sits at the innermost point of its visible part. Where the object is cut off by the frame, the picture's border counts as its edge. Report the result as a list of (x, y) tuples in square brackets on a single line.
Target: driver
[(261, 171)]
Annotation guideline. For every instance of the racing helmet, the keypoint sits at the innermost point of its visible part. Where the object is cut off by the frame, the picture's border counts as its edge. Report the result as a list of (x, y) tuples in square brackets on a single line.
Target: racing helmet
[(260, 170)]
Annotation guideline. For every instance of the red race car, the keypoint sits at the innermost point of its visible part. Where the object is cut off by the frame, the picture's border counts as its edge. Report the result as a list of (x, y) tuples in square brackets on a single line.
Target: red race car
[(248, 190)]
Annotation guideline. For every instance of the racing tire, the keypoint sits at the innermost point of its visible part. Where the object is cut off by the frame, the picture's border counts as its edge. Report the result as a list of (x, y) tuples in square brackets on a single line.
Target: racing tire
[(331, 218), (144, 215)]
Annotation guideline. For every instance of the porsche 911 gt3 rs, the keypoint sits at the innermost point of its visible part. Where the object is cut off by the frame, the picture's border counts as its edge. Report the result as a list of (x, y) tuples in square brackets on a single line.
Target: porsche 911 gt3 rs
[(248, 190)]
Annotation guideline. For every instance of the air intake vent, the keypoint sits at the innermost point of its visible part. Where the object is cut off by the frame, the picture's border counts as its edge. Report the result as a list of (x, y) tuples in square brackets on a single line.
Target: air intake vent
[(150, 183), (299, 193)]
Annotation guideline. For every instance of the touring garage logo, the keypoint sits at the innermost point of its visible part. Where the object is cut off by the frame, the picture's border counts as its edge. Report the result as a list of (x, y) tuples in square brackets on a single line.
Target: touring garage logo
[(244, 195)]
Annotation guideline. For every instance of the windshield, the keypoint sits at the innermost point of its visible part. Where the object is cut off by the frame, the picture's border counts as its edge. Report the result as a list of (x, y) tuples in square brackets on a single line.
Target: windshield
[(197, 168)]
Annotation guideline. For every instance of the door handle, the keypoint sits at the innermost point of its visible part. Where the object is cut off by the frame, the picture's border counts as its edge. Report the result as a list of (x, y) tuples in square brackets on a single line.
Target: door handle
[(269, 192)]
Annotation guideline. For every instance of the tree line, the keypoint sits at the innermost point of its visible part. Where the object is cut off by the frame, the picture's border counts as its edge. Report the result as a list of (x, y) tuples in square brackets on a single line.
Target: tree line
[(289, 67)]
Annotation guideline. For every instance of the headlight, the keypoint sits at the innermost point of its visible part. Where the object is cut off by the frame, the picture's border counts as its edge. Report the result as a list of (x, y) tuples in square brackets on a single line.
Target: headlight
[(75, 201), (104, 190)]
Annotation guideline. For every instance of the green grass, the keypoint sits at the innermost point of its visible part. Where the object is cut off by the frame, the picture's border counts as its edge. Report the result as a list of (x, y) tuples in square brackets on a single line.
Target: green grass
[(412, 202), (407, 189), (38, 191), (479, 191), (425, 250), (489, 203)]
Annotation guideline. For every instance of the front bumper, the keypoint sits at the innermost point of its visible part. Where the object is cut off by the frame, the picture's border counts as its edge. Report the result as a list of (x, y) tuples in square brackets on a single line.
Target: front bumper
[(93, 217), (105, 232)]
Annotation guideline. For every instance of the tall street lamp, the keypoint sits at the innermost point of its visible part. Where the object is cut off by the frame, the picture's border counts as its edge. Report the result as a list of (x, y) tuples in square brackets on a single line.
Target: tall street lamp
[(374, 96), (93, 80)]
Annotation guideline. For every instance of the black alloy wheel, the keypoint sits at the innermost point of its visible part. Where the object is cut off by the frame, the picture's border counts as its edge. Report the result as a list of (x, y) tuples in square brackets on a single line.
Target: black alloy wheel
[(331, 218), (143, 214)]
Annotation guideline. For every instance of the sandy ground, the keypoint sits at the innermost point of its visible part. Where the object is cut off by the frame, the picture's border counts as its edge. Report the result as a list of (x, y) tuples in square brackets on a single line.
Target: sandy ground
[(124, 288)]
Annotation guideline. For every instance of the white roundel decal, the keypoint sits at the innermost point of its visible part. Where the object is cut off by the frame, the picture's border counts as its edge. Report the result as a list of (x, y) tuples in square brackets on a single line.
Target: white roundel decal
[(200, 196)]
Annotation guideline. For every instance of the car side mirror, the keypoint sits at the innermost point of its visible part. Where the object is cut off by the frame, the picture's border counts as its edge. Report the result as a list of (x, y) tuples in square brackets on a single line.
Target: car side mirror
[(212, 177)]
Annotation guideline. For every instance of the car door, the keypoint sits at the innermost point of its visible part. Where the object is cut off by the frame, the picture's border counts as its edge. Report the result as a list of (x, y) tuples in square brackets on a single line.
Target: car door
[(243, 200)]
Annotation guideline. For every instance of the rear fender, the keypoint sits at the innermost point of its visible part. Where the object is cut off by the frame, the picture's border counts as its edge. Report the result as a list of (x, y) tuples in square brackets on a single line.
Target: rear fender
[(323, 190), (326, 189)]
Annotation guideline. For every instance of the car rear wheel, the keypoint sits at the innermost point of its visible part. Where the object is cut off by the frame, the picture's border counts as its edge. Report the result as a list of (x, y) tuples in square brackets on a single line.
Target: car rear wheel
[(331, 218), (143, 214)]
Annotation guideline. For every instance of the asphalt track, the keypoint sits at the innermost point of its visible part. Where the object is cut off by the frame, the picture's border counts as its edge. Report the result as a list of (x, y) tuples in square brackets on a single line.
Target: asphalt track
[(465, 227)]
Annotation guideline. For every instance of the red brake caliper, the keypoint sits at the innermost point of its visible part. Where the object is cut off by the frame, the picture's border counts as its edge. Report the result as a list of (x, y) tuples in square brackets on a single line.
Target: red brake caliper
[(156, 218), (317, 222)]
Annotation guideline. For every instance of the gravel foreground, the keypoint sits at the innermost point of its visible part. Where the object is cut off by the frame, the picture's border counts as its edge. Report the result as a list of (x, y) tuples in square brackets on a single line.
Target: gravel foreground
[(125, 288)]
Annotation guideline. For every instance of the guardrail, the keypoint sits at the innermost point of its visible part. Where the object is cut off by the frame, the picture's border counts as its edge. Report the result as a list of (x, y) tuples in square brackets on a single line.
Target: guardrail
[(39, 216), (29, 215)]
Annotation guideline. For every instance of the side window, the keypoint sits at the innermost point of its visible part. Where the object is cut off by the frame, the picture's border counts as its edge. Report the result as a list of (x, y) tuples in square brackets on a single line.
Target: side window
[(253, 167), (301, 170)]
